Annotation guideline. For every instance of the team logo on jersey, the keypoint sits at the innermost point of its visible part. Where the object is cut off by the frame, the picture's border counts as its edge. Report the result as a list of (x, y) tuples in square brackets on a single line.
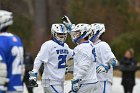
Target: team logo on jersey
[(62, 51), (14, 39)]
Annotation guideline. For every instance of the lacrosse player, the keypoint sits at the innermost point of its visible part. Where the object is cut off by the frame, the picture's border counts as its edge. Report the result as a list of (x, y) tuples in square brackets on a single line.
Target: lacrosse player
[(11, 57), (105, 59), (54, 54), (84, 80)]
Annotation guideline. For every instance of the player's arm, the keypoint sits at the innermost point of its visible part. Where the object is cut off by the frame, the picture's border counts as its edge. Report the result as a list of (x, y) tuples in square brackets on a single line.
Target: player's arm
[(66, 21), (112, 62), (41, 57), (105, 67), (3, 72), (84, 63), (108, 58)]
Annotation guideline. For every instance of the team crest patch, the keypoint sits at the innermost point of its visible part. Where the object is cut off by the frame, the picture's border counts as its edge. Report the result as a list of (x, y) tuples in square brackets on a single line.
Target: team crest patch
[(14, 39)]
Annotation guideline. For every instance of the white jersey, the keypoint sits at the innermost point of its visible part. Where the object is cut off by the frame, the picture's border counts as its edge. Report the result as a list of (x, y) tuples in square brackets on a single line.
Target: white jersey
[(54, 57), (104, 54), (84, 63)]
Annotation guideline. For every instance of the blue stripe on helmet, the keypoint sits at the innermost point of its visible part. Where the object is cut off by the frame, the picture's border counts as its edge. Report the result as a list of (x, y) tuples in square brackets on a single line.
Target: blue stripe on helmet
[(94, 36), (62, 28), (77, 40)]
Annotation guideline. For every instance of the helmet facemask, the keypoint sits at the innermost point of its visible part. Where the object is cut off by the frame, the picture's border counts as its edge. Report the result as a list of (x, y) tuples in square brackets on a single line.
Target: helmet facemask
[(77, 36), (80, 31), (59, 33), (97, 29), (61, 37)]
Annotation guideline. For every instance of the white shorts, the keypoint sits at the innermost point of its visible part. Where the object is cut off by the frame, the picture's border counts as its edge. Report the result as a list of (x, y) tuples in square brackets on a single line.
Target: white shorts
[(54, 89), (53, 86), (88, 88), (104, 87)]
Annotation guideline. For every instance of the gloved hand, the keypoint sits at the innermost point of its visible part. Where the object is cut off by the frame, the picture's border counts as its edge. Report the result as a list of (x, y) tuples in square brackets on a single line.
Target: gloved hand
[(66, 21), (75, 85), (3, 76), (102, 68), (32, 79)]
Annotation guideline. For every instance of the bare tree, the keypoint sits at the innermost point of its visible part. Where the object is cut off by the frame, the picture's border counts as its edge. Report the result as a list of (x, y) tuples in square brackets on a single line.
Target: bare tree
[(39, 33)]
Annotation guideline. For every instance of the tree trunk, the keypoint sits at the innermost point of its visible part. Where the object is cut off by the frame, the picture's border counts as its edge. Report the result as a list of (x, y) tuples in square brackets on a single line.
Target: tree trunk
[(39, 33)]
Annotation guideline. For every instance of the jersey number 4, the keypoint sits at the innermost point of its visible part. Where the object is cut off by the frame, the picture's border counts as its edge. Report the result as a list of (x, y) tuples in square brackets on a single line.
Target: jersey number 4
[(94, 54), (62, 61), (18, 61)]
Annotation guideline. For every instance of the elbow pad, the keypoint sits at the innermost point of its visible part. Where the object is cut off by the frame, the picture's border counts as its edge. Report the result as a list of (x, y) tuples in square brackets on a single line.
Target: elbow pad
[(112, 62)]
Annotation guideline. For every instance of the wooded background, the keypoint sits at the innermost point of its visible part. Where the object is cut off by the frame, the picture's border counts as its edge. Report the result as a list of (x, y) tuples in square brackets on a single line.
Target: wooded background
[(33, 20)]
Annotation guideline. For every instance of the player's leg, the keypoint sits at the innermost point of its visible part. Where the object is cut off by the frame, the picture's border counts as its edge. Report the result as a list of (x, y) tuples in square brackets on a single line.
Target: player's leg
[(104, 87), (108, 87), (57, 88), (54, 89), (47, 90), (101, 87), (88, 88)]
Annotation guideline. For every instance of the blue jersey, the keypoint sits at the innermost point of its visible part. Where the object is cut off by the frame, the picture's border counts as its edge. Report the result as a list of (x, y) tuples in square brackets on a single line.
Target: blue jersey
[(11, 53)]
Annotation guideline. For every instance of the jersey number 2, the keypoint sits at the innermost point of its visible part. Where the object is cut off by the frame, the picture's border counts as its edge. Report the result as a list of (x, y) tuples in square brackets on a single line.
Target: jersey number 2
[(18, 61), (62, 61)]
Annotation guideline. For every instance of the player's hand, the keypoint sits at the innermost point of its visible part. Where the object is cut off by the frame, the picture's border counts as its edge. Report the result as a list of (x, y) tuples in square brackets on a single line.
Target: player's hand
[(32, 79), (102, 68), (75, 85), (66, 21)]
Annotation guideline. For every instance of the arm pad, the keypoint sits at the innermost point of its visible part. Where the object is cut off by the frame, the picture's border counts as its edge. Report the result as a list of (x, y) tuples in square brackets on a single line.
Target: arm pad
[(3, 74)]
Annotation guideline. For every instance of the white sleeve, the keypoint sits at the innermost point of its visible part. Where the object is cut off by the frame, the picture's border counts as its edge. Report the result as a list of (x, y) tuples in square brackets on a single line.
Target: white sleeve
[(44, 52), (42, 56), (106, 53), (84, 63), (37, 64)]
